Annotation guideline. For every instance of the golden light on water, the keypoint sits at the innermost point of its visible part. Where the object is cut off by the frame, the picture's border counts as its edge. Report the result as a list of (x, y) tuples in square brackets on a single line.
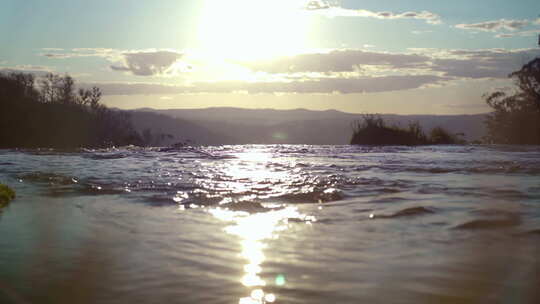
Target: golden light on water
[(254, 230)]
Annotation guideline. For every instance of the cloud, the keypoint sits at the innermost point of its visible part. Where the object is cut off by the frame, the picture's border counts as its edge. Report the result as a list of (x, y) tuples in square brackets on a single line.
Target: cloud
[(38, 70), (495, 25), (148, 63), (338, 71), (518, 34), (491, 63), (346, 60), (137, 62), (110, 54), (322, 8), (465, 106), (57, 56), (317, 5), (421, 32), (324, 85)]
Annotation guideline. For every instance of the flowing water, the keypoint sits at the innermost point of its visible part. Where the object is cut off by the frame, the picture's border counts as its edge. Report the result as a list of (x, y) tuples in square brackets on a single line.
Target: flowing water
[(272, 224)]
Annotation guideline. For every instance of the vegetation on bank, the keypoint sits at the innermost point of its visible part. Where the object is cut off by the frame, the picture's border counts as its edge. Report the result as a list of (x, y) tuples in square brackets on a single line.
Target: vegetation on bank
[(6, 195), (49, 112), (516, 114), (373, 130), (515, 118)]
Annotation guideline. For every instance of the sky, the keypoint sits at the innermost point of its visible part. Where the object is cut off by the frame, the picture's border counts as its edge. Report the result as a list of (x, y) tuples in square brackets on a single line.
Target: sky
[(361, 56)]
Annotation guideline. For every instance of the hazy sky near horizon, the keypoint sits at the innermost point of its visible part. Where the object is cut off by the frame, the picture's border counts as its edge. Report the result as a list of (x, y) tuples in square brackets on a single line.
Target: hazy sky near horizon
[(392, 56)]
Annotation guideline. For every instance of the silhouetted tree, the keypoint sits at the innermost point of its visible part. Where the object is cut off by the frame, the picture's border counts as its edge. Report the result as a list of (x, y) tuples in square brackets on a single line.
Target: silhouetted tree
[(52, 114), (516, 115), (66, 89)]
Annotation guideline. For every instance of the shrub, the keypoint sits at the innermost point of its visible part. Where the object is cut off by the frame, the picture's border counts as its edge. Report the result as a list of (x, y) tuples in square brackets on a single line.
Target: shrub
[(6, 195), (372, 130)]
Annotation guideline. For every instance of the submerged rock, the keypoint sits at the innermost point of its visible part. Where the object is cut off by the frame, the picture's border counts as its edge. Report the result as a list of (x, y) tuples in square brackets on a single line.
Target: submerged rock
[(6, 195)]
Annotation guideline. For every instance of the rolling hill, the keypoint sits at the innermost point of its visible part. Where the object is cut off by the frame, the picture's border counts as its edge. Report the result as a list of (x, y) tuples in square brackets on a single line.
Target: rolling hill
[(215, 126)]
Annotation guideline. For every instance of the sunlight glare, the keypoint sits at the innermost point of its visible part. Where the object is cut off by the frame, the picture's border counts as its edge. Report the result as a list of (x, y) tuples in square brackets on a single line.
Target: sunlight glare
[(253, 29), (253, 229)]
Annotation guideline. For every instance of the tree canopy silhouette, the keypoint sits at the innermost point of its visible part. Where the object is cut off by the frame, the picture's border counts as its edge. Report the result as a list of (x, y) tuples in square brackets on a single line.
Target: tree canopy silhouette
[(50, 112), (516, 115)]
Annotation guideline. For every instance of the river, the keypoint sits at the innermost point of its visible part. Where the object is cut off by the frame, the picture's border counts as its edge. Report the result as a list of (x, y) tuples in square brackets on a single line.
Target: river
[(272, 224)]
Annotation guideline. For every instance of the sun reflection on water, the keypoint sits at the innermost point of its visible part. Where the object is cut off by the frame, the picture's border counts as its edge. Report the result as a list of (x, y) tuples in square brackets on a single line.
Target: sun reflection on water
[(254, 229)]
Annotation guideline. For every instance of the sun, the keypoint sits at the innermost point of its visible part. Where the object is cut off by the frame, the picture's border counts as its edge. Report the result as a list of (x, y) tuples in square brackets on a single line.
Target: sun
[(252, 29)]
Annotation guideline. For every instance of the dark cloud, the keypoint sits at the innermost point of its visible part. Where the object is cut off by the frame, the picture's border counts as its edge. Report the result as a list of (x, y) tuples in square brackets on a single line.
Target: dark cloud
[(495, 25)]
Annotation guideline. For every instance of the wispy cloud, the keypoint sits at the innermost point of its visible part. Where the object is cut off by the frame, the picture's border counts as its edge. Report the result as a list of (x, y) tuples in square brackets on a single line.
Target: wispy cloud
[(490, 63), (421, 32), (324, 86), (466, 106), (52, 49), (341, 60), (476, 64), (494, 25), (326, 9), (519, 34), (110, 54)]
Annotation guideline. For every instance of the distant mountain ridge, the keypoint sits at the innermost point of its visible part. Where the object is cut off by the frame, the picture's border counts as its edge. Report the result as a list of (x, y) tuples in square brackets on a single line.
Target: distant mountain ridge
[(216, 126)]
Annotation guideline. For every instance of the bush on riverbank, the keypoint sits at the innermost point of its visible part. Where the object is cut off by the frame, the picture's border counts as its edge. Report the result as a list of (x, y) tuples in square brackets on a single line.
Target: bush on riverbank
[(373, 130), (6, 195)]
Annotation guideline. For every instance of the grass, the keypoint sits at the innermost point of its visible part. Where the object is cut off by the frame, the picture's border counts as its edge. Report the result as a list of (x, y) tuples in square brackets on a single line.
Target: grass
[(6, 195)]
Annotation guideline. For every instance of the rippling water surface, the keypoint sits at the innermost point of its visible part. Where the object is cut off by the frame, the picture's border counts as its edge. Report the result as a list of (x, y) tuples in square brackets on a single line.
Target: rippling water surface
[(272, 224)]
